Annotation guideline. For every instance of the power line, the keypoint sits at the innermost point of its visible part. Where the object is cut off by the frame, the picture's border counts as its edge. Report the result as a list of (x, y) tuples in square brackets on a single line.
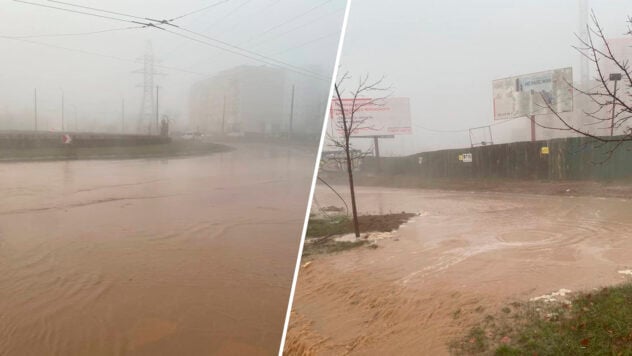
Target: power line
[(293, 29), (258, 12), (464, 130), (247, 51), (78, 33), (152, 22), (299, 70), (96, 9), (293, 18), (200, 10), (175, 49), (82, 12), (308, 43), (97, 54), (166, 22), (227, 15)]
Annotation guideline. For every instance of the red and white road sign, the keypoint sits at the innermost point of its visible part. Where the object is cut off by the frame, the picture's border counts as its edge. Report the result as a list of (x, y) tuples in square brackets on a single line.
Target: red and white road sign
[(66, 139)]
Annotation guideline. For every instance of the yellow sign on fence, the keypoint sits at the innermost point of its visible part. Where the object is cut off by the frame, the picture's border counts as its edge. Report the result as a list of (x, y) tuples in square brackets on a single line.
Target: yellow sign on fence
[(544, 150)]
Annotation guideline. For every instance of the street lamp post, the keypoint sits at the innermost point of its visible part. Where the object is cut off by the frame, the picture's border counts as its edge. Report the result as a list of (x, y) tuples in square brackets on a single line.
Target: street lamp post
[(615, 77)]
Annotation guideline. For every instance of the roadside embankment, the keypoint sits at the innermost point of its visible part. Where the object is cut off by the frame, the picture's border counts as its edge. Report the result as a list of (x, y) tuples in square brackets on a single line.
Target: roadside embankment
[(45, 146)]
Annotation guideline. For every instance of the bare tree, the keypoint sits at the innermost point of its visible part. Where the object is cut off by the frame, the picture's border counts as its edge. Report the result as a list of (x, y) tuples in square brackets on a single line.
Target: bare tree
[(347, 107), (610, 108)]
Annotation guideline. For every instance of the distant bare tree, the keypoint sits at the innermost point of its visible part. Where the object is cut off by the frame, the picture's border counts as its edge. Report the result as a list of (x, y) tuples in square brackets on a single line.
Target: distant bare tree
[(347, 106), (611, 106)]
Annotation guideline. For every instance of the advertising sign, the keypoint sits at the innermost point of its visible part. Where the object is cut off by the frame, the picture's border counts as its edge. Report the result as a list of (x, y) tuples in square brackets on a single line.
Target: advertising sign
[(529, 94), (384, 118)]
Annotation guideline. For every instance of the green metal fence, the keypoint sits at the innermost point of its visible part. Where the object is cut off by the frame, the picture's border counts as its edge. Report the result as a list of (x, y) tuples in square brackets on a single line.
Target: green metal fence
[(576, 158)]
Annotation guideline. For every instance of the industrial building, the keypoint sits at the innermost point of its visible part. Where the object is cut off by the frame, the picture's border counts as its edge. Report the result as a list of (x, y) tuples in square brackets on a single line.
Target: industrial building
[(257, 100)]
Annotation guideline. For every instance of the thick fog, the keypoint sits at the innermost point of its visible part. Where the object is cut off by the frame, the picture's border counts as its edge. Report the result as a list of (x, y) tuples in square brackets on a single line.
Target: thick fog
[(91, 60), (444, 55)]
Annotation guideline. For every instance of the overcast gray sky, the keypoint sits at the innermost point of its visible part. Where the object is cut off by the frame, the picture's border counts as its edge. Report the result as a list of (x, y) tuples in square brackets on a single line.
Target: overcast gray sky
[(444, 54), (95, 70)]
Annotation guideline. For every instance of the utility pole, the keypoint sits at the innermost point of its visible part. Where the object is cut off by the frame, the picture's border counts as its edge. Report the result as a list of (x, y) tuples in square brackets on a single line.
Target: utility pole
[(62, 110), (224, 115), (291, 113), (35, 107), (157, 111), (74, 109), (376, 146), (122, 115)]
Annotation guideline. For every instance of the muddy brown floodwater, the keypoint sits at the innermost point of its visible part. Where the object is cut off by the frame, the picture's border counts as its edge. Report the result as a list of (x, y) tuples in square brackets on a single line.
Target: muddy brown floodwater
[(466, 255), (189, 256)]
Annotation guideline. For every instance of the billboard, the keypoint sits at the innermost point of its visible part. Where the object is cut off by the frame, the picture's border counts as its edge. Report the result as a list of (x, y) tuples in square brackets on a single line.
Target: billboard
[(525, 95), (387, 117)]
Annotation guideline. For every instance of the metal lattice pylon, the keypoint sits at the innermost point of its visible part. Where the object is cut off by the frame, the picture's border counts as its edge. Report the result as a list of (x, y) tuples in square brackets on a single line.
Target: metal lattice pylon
[(146, 121)]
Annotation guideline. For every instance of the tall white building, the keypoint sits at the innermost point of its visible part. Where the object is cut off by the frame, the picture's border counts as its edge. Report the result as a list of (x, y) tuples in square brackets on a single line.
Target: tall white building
[(257, 100)]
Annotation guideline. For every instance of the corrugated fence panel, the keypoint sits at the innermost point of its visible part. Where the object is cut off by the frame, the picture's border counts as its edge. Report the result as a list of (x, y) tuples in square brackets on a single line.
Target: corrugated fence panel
[(567, 158)]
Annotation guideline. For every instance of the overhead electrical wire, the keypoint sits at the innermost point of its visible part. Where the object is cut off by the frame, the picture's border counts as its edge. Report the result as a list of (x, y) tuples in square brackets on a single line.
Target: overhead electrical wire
[(247, 51), (97, 9), (306, 73), (464, 130), (293, 18), (152, 23), (213, 24), (199, 10), (293, 29), (80, 12), (175, 49), (96, 54), (308, 43), (78, 33), (257, 12)]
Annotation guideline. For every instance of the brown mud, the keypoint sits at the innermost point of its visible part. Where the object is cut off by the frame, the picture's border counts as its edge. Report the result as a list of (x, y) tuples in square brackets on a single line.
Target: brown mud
[(190, 256), (467, 255)]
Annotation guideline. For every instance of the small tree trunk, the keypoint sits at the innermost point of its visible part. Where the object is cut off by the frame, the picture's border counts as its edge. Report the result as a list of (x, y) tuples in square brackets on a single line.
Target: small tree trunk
[(356, 226)]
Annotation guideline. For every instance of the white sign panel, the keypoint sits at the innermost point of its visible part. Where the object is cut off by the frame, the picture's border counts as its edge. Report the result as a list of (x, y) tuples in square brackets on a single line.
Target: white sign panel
[(529, 94), (385, 118)]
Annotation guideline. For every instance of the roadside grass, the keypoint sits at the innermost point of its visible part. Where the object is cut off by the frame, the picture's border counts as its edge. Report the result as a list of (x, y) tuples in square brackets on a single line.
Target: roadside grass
[(321, 231), (328, 245), (594, 323), (167, 150), (332, 225)]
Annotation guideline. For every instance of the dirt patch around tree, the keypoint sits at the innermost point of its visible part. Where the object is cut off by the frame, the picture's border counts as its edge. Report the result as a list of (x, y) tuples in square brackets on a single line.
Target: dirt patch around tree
[(330, 233)]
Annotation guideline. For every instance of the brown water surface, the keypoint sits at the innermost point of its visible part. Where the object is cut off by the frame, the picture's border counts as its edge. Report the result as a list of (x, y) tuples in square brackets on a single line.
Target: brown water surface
[(467, 255), (188, 256)]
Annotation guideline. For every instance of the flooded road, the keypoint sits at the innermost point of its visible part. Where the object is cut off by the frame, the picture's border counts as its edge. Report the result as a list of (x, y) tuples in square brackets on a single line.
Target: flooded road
[(465, 256), (189, 256)]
